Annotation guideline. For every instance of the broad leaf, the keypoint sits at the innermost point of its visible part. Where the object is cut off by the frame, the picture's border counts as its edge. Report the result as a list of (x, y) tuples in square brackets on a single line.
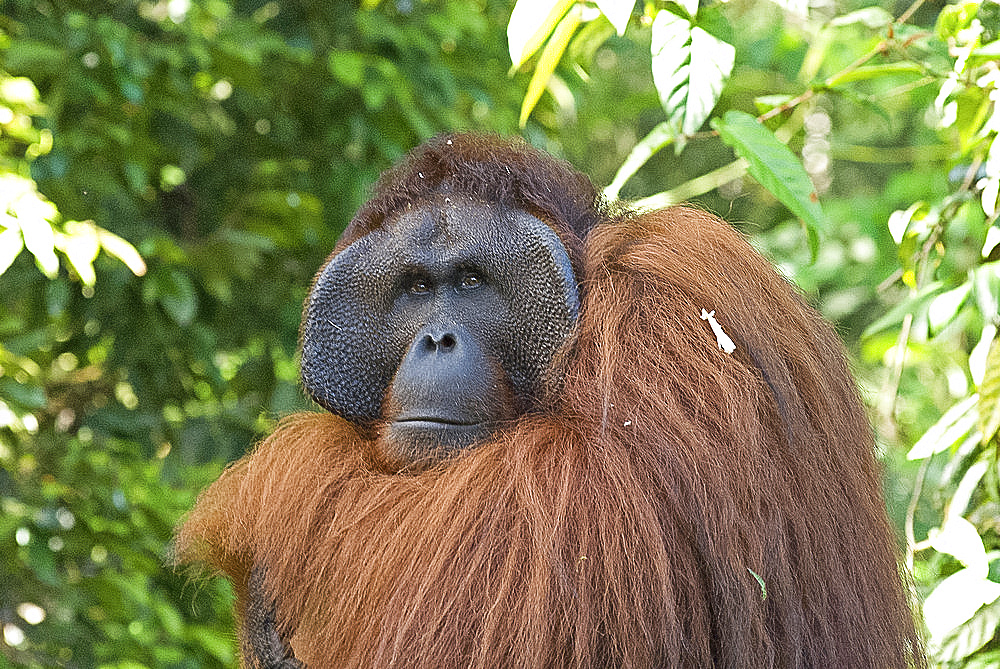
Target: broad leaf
[(960, 539), (943, 308), (915, 304), (955, 600), (690, 68), (956, 423), (618, 12), (10, 246), (547, 62), (970, 637), (531, 22), (775, 166)]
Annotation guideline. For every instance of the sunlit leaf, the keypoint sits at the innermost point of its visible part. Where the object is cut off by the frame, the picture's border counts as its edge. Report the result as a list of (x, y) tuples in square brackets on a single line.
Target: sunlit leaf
[(765, 103), (960, 501), (775, 166), (81, 245), (992, 240), (960, 539), (618, 12), (991, 189), (659, 137), (796, 6), (547, 62), (955, 18), (690, 6), (989, 394), (944, 307), (870, 17), (18, 91), (531, 22), (10, 245), (955, 600), (690, 69), (39, 239), (991, 50), (956, 423), (970, 637), (899, 220), (119, 248)]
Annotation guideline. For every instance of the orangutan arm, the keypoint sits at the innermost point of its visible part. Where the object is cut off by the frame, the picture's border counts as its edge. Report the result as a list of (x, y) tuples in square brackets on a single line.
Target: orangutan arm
[(262, 645)]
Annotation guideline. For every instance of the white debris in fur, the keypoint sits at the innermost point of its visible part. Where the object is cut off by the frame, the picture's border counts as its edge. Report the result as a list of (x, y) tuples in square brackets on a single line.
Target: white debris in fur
[(725, 343)]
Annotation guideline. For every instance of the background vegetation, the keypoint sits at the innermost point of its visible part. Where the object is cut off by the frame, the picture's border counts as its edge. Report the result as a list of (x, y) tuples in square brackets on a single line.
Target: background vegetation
[(172, 173)]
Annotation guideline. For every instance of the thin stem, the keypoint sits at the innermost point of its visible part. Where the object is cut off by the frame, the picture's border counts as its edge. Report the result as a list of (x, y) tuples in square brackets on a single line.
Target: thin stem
[(905, 16), (911, 511)]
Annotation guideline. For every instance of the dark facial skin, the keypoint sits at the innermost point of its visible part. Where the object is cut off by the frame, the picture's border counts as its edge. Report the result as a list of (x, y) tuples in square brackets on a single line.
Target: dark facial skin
[(448, 392), (438, 326)]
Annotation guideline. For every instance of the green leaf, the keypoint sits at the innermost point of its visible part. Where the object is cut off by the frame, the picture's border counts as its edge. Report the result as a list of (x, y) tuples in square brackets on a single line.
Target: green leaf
[(956, 423), (955, 18), (25, 396), (547, 62), (690, 69), (971, 635), (121, 249), (954, 601), (987, 660), (658, 138), (960, 539), (10, 246), (531, 22), (176, 294), (870, 17), (763, 586), (618, 12), (775, 166), (874, 72), (589, 39), (989, 394), (348, 67), (81, 245), (943, 308)]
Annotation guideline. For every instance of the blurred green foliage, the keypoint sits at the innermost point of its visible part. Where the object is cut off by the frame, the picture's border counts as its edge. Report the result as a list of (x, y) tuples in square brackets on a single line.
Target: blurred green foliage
[(228, 143)]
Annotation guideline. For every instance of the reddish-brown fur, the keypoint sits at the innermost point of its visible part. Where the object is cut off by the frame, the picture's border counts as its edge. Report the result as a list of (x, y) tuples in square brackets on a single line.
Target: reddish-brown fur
[(623, 524), (619, 530)]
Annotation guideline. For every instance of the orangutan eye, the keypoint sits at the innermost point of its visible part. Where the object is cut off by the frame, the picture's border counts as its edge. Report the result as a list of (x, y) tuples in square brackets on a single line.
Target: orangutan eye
[(419, 287), (470, 280)]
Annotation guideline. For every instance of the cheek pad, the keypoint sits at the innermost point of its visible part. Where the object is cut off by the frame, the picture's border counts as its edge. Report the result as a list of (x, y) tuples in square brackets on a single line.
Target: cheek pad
[(544, 301), (348, 356), (351, 340)]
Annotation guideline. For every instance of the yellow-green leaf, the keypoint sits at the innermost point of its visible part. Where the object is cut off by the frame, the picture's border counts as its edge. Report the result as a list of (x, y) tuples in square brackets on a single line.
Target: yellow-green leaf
[(531, 22), (550, 57)]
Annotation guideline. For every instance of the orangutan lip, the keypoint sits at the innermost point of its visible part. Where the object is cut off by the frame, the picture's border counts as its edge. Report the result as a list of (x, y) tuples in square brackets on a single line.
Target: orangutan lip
[(432, 421)]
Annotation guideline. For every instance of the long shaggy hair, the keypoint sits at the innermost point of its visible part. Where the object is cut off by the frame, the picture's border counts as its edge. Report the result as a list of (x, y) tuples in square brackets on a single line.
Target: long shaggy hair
[(678, 507)]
